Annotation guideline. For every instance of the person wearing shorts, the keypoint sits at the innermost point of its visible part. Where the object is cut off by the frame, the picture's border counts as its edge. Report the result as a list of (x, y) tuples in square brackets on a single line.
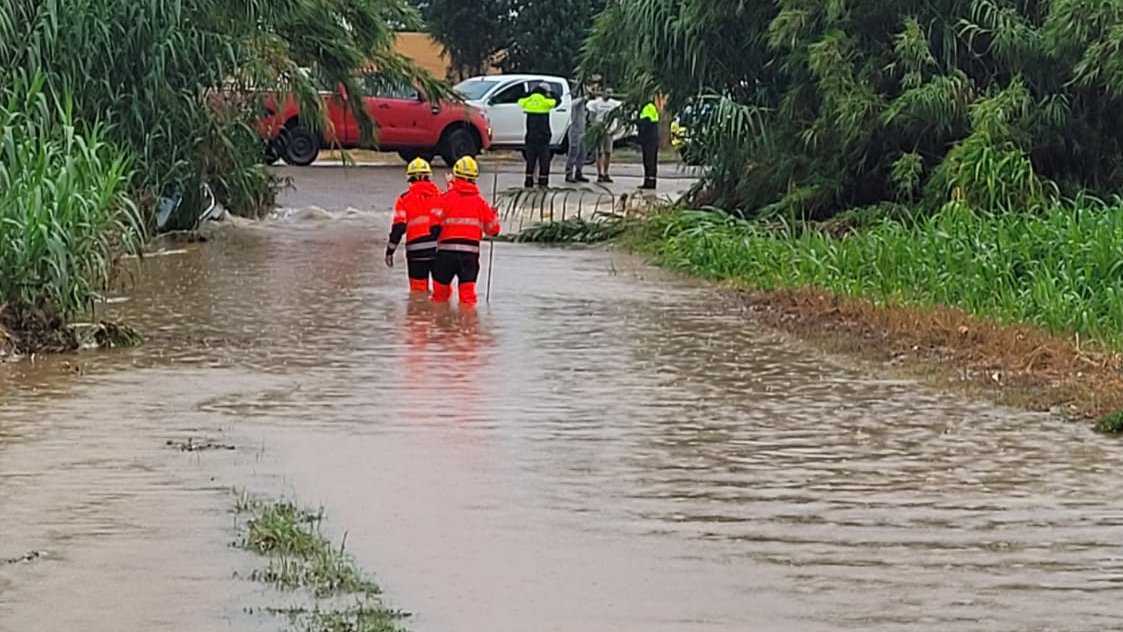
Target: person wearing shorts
[(599, 110)]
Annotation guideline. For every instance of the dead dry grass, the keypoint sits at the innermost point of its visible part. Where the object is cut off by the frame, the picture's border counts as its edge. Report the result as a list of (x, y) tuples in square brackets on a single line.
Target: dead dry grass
[(1018, 365)]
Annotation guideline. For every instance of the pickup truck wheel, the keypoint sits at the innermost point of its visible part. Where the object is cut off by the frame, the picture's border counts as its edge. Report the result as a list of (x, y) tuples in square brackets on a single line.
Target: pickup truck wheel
[(457, 144), (269, 153), (410, 155), (302, 146)]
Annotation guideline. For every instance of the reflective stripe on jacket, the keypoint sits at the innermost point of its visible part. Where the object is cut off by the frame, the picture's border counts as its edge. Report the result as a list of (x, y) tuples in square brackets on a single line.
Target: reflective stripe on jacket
[(537, 103), (414, 209), (464, 216), (648, 127)]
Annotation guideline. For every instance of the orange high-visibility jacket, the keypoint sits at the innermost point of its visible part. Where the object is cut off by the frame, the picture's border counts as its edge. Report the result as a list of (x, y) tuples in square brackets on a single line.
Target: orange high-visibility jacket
[(464, 216), (413, 215)]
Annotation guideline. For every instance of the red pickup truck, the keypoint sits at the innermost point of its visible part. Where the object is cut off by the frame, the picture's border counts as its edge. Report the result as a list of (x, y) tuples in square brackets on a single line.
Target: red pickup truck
[(406, 123)]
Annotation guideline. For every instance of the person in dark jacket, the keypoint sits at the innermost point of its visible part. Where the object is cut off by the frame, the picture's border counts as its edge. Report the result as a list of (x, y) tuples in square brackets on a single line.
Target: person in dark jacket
[(648, 128), (537, 106)]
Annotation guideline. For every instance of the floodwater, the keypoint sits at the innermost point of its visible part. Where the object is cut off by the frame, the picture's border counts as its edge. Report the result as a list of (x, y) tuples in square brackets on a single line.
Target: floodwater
[(600, 447)]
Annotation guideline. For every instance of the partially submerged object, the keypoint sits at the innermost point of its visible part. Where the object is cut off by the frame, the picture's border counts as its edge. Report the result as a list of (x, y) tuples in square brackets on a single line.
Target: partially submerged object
[(170, 203)]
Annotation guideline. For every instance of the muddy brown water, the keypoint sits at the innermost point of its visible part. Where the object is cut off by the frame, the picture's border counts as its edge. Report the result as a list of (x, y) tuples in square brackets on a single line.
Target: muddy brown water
[(601, 447)]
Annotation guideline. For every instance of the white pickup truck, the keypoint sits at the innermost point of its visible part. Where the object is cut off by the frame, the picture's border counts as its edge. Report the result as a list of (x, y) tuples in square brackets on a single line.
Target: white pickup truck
[(498, 97)]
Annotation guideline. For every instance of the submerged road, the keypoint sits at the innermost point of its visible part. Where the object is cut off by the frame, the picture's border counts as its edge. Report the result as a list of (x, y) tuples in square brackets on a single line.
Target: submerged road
[(602, 447)]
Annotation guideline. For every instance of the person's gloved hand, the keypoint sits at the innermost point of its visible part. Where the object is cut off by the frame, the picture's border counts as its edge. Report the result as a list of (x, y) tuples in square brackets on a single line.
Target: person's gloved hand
[(389, 258)]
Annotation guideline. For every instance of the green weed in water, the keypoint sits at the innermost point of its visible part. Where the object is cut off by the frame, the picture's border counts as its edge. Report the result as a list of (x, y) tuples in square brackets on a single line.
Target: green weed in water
[(300, 557), (356, 619), (1111, 424)]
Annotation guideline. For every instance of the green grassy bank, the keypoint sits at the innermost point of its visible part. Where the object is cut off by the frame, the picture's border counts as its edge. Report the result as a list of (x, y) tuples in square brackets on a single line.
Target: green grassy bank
[(1060, 269)]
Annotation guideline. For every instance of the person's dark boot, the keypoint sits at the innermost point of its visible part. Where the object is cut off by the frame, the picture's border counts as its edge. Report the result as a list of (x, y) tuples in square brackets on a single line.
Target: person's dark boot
[(529, 182), (544, 183), (648, 183), (580, 178), (570, 179)]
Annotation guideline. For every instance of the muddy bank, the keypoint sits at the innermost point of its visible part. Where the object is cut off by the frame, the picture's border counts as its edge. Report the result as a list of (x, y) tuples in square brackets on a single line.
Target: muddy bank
[(7, 344), (1021, 366), (22, 336)]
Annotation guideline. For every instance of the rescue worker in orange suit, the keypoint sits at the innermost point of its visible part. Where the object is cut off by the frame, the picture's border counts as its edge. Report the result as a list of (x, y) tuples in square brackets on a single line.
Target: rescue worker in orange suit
[(413, 219), (463, 217)]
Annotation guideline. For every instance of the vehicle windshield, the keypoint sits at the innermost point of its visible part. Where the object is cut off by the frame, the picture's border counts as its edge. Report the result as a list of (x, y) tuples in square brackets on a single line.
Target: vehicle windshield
[(475, 89)]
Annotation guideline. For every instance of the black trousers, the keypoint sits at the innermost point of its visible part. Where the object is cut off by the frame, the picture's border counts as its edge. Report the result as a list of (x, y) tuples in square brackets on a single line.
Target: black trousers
[(450, 264), (538, 156), (420, 263), (650, 160)]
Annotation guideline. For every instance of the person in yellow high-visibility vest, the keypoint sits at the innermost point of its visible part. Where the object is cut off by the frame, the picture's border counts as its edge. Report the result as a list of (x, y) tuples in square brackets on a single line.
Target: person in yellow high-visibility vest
[(537, 106), (648, 128)]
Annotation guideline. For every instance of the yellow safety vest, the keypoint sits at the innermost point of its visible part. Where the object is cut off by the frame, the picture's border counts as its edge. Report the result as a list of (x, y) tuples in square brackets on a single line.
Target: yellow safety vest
[(537, 104), (650, 112)]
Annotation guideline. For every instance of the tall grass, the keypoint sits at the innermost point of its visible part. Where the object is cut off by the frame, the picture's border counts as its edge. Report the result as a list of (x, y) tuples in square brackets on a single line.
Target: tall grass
[(64, 210), (1061, 269)]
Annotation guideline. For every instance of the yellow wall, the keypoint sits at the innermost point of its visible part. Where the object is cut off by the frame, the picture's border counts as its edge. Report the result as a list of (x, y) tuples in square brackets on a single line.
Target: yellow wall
[(424, 51), (427, 53)]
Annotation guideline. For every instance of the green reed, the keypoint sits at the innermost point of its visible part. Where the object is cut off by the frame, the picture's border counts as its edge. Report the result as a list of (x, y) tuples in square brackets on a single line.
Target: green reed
[(64, 213)]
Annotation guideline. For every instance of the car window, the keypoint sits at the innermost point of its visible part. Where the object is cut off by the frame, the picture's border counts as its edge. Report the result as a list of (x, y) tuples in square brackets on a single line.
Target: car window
[(556, 89), (475, 89), (510, 94), (378, 86)]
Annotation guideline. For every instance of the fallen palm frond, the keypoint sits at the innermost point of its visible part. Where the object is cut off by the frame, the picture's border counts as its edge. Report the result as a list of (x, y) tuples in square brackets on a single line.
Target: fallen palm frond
[(575, 231)]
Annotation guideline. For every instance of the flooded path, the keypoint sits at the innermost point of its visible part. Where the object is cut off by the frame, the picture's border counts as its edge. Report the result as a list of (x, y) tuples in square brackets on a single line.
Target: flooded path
[(602, 447)]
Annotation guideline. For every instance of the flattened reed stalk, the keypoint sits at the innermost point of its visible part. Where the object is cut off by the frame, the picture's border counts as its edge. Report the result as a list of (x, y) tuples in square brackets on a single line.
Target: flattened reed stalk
[(600, 228), (1059, 270)]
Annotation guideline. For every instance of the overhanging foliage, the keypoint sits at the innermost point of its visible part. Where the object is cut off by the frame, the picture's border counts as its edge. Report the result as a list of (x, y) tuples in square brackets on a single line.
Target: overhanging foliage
[(817, 106)]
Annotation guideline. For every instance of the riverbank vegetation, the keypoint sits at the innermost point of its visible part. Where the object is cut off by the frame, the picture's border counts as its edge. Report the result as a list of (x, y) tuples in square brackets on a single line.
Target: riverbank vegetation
[(111, 106), (1009, 303), (815, 108), (924, 155), (300, 558), (1044, 269), (65, 217)]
